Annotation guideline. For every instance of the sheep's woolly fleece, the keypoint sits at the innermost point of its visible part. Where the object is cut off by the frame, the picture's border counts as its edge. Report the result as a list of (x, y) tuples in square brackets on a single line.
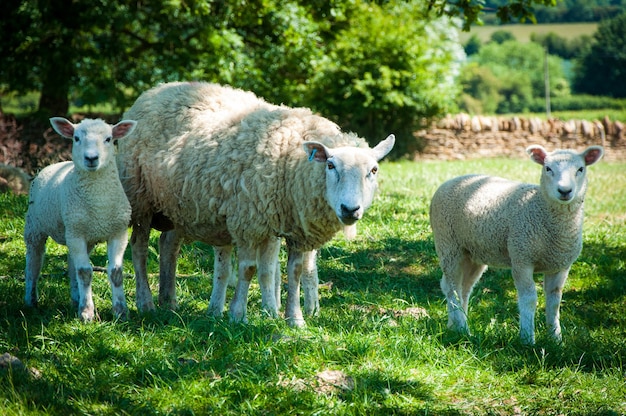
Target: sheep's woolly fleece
[(172, 162)]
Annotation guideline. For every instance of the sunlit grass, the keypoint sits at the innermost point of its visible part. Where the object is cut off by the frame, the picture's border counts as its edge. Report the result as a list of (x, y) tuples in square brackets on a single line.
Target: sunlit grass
[(381, 331)]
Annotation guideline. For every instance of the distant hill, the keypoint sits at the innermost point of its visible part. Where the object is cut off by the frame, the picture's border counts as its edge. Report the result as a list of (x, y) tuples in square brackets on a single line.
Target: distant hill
[(522, 32)]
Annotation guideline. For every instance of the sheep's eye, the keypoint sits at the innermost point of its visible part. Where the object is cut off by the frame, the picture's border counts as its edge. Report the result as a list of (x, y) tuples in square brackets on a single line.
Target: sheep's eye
[(374, 170), (548, 169), (581, 169), (76, 139), (108, 139), (330, 165)]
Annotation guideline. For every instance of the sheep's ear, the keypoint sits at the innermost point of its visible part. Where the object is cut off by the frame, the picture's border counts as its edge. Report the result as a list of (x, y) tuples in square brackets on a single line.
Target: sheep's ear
[(63, 126), (383, 148), (592, 154), (316, 151), (537, 154), (123, 129)]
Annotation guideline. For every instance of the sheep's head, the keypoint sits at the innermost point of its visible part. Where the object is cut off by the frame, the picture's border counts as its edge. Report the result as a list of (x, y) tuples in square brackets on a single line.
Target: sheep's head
[(351, 176), (94, 140), (563, 177)]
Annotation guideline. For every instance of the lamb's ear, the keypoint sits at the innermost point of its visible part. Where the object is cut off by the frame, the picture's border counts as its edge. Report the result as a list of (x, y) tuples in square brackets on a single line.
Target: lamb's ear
[(316, 151), (537, 154), (63, 126), (383, 148), (592, 154), (123, 129)]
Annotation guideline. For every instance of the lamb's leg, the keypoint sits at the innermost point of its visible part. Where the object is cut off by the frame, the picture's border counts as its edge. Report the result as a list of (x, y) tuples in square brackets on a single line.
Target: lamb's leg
[(169, 248), (71, 271), (139, 248), (452, 288), (310, 283), (526, 300), (278, 281), (222, 270), (84, 276), (35, 250), (471, 274), (553, 288), (115, 253), (293, 313), (267, 256), (247, 268)]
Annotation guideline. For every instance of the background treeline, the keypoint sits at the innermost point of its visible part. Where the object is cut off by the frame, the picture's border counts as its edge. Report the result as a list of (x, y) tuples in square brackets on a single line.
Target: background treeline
[(503, 75), (375, 67)]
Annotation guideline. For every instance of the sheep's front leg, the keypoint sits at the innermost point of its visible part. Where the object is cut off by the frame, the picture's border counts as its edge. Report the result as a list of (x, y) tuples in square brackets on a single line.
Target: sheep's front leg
[(84, 275), (527, 301), (169, 248), (293, 313), (310, 283), (247, 268), (139, 248), (222, 270), (553, 288), (35, 250), (115, 253)]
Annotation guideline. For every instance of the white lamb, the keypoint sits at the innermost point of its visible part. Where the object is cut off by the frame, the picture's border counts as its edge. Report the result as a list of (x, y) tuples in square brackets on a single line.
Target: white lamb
[(222, 166), (481, 220), (79, 204)]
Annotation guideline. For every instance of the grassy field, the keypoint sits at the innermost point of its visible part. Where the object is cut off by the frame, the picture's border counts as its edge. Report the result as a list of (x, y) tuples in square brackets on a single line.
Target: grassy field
[(379, 346), (522, 32)]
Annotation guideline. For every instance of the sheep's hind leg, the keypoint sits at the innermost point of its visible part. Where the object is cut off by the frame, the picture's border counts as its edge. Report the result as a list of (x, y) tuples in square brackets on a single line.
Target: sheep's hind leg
[(139, 247), (527, 301), (169, 248), (310, 283), (247, 268), (293, 313), (553, 289), (35, 251), (267, 256), (222, 271), (115, 252)]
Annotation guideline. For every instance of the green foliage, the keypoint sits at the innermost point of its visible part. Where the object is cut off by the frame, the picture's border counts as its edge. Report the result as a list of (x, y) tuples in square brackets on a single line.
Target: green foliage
[(381, 328), (602, 70), (519, 71), (561, 46), (501, 36), (376, 82)]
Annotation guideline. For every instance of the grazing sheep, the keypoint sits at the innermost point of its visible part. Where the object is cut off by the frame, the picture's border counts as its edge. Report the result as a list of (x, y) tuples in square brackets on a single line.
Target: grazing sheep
[(223, 166), (80, 204), (481, 220)]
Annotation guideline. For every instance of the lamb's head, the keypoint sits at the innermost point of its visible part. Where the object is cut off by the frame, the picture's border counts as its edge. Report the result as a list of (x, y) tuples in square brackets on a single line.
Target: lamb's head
[(351, 176), (94, 140), (563, 178)]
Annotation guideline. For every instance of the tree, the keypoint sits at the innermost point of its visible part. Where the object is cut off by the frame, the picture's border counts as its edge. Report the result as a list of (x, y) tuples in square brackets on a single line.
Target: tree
[(602, 69), (384, 73)]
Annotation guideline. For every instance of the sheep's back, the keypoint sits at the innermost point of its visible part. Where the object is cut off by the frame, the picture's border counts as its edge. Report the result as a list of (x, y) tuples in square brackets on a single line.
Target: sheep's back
[(228, 163)]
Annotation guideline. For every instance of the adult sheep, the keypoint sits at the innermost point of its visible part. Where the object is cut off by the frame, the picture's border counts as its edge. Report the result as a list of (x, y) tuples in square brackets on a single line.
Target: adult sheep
[(481, 220), (79, 204), (223, 166)]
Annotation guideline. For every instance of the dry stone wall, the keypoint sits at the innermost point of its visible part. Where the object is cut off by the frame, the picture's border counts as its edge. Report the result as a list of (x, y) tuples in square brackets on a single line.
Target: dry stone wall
[(463, 136)]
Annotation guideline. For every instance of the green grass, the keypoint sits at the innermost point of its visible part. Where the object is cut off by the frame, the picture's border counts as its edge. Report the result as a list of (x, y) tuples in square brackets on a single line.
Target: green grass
[(381, 331)]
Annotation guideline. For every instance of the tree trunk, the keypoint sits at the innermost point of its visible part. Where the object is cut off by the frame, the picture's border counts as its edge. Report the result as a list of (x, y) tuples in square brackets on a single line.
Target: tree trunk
[(55, 90)]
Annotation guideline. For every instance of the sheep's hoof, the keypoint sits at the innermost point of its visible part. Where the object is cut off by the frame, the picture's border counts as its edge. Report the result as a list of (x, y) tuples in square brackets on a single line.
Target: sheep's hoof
[(243, 319), (296, 322), (120, 312)]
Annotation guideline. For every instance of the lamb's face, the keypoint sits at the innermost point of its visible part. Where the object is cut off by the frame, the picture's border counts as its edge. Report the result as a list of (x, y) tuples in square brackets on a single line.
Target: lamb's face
[(93, 145), (94, 140), (351, 176), (564, 178)]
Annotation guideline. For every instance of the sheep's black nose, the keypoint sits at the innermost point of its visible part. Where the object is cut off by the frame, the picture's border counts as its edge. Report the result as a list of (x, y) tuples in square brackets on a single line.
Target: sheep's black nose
[(349, 215), (91, 160), (565, 193)]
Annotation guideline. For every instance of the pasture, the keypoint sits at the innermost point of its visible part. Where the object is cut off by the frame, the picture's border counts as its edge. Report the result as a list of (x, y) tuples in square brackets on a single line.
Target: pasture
[(522, 32), (379, 345)]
